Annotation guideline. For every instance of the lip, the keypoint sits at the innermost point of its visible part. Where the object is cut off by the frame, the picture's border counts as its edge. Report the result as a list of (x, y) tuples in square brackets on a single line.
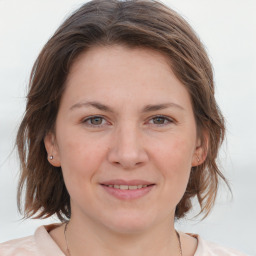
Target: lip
[(127, 182), (127, 194)]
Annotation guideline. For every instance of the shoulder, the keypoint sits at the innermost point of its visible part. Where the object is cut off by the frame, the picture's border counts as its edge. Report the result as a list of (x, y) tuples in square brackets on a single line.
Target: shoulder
[(21, 246), (207, 248), (40, 244)]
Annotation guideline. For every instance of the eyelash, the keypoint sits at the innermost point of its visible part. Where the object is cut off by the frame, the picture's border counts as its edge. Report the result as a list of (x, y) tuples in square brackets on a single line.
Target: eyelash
[(170, 120)]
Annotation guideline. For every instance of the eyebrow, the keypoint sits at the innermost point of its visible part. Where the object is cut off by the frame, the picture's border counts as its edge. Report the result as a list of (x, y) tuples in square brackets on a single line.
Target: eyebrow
[(147, 108)]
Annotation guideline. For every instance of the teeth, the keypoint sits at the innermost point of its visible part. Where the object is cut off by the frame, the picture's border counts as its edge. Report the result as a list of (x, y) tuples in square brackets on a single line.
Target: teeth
[(126, 187), (133, 187)]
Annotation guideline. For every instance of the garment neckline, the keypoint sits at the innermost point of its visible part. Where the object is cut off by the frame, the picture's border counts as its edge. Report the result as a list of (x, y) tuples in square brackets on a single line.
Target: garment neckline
[(44, 232)]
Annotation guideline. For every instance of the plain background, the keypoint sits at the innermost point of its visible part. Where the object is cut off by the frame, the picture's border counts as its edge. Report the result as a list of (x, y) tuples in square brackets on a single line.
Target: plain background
[(228, 30)]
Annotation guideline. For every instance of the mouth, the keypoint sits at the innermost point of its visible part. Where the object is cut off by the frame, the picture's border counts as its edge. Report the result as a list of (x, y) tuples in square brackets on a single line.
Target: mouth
[(127, 187), (127, 190)]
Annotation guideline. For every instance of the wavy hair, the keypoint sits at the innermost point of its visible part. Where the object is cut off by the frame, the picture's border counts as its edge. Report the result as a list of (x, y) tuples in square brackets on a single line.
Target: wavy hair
[(133, 23)]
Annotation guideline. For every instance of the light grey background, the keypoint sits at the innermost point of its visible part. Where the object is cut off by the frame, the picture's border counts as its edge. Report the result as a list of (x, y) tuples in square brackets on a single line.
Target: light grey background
[(226, 27)]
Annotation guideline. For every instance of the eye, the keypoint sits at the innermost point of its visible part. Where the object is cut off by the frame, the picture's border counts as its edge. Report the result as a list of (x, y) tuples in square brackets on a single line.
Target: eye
[(94, 121), (161, 120)]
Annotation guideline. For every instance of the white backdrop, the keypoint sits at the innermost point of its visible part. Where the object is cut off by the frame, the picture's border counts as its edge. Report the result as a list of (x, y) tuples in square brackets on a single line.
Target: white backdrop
[(226, 27)]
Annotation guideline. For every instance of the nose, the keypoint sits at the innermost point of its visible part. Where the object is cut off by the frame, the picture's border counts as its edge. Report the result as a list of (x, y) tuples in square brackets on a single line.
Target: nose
[(127, 148)]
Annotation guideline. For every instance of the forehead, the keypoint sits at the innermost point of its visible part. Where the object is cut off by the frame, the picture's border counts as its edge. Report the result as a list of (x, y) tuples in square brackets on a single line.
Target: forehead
[(135, 74), (121, 56)]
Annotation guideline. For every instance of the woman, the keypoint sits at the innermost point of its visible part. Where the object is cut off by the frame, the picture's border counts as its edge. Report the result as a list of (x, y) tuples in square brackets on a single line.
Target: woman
[(121, 131)]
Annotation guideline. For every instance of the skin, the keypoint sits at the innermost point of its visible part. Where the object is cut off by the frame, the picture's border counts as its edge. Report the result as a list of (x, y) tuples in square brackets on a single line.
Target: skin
[(124, 144)]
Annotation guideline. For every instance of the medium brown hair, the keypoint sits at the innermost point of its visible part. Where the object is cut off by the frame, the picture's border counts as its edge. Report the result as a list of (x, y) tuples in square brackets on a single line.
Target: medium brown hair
[(133, 23)]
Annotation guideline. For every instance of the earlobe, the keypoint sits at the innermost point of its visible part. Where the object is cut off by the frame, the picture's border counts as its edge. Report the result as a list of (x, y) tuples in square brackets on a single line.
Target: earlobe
[(198, 158), (52, 150), (201, 150)]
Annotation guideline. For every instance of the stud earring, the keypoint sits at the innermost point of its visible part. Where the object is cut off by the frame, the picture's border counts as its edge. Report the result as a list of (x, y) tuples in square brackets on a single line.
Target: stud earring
[(198, 159), (51, 157)]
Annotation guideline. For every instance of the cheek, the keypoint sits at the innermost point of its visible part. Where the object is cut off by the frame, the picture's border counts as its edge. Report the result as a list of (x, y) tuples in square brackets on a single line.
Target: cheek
[(174, 161), (176, 154), (80, 161), (80, 157)]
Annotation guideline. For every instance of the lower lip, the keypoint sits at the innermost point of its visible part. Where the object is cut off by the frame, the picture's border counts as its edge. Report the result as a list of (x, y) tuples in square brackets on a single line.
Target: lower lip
[(126, 193)]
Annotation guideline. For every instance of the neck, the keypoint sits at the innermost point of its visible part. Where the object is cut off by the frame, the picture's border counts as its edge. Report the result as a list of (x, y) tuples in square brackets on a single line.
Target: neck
[(88, 238)]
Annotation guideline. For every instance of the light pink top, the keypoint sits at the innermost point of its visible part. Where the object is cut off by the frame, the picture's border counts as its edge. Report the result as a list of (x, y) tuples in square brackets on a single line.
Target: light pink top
[(41, 244)]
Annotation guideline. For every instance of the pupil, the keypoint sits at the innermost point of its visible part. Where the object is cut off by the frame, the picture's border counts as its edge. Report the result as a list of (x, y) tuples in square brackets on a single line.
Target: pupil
[(96, 120)]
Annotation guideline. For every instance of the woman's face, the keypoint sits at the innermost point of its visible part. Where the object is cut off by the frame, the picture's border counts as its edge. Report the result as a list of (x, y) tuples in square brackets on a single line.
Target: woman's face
[(124, 119)]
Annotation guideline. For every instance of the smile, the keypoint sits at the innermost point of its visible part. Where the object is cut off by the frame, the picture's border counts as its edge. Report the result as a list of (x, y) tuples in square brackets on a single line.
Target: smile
[(127, 192), (126, 187)]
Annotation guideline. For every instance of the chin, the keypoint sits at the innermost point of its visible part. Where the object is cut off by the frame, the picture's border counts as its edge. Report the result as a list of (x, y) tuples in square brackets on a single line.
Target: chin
[(130, 223)]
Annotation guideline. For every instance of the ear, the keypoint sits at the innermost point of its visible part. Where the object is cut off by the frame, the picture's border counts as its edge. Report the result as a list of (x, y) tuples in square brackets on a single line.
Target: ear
[(52, 149), (201, 149)]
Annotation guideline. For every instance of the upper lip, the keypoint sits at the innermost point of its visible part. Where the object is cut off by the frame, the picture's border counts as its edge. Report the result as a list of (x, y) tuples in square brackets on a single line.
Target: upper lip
[(126, 182)]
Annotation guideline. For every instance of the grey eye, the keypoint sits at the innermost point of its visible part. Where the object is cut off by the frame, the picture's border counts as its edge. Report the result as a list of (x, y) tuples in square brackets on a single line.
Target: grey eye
[(159, 120), (96, 120)]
